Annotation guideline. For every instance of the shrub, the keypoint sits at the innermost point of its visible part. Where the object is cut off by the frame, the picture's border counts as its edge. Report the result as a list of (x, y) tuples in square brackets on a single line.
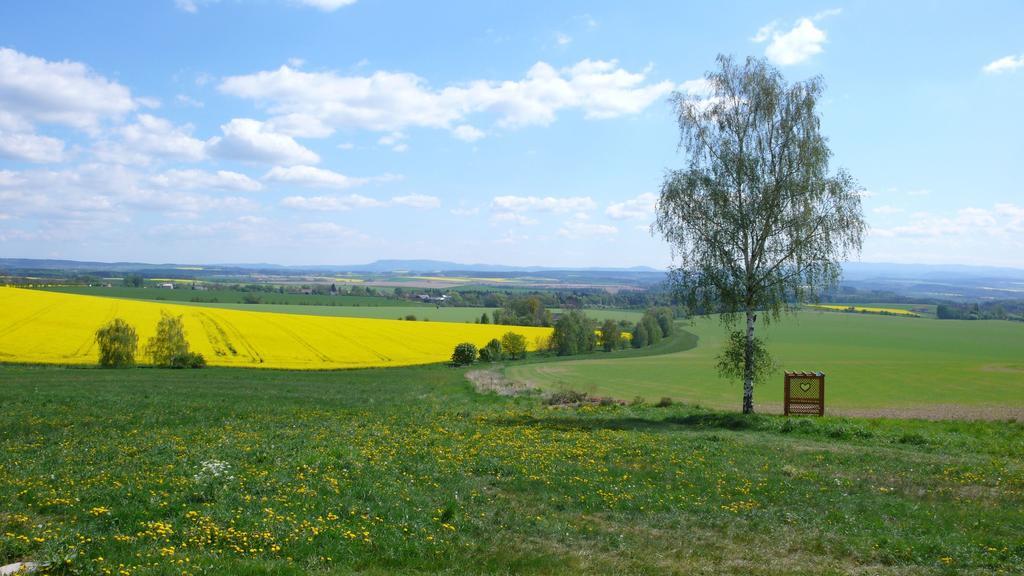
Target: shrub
[(251, 299), (566, 397), (638, 401), (411, 317), (513, 345), (491, 352), (168, 346), (464, 354), (188, 360), (118, 343), (665, 402)]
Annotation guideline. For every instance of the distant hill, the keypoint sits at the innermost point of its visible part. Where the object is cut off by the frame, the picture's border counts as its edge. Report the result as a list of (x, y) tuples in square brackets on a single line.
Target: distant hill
[(379, 266), (918, 281)]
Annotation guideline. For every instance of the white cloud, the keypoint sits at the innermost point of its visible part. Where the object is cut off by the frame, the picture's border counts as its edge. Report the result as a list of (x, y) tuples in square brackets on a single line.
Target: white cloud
[(417, 201), (562, 39), (312, 177), (331, 203), (640, 207), (545, 204), (394, 140), (467, 133), (576, 229), (514, 218), (251, 140), (187, 6), (31, 147), (98, 194), (794, 46), (300, 125), (65, 92), (189, 101), (971, 223), (1004, 64), (394, 101), (337, 203), (201, 179), (327, 5), (150, 137)]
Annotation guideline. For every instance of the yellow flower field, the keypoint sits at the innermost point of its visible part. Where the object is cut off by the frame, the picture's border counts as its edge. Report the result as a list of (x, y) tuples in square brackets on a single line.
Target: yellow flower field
[(54, 328), (866, 309)]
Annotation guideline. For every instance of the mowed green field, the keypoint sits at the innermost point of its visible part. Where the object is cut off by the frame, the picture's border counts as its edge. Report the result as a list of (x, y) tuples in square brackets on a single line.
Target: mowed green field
[(433, 313), (409, 471), (227, 296), (317, 304), (870, 362)]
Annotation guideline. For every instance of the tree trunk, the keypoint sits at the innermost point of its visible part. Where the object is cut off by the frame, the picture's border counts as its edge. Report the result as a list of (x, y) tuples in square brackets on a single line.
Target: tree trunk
[(748, 366)]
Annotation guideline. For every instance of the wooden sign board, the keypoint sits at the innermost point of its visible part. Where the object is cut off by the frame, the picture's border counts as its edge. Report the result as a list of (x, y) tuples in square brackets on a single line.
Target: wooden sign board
[(805, 393)]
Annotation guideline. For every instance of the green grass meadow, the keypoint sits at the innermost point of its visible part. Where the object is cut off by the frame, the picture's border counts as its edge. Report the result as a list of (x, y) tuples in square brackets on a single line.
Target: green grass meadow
[(228, 296), (409, 471), (870, 361)]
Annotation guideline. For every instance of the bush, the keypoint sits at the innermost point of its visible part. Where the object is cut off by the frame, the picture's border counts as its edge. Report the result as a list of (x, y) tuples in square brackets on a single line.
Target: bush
[(118, 343), (188, 360), (566, 397), (665, 402), (168, 346), (464, 354), (251, 299), (513, 345), (491, 352)]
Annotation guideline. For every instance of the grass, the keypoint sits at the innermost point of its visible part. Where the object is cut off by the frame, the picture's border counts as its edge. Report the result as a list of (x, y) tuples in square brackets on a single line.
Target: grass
[(870, 362), (317, 305), (407, 471), (227, 296)]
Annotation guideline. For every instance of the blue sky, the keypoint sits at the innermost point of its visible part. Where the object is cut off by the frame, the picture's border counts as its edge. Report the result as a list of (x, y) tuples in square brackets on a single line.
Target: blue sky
[(338, 132)]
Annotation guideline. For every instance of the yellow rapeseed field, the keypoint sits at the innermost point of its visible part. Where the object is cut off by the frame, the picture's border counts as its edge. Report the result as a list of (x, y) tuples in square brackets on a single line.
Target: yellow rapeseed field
[(54, 328), (866, 309)]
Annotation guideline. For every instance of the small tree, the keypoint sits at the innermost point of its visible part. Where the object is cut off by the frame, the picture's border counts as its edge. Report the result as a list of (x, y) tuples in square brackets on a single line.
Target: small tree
[(168, 348), (653, 329), (610, 335), (513, 345), (118, 342), (639, 337), (756, 219), (574, 334), (732, 359), (491, 352), (133, 280), (464, 354), (484, 319)]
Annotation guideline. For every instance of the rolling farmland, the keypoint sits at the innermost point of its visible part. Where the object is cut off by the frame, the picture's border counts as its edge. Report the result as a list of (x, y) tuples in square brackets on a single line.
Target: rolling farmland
[(51, 328), (872, 362)]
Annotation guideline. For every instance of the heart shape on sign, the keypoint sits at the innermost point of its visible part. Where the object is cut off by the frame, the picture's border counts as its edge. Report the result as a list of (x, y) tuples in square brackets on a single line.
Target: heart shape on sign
[(805, 386)]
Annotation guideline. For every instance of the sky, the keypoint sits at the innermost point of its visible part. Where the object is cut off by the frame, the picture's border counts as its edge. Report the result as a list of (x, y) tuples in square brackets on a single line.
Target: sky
[(520, 133)]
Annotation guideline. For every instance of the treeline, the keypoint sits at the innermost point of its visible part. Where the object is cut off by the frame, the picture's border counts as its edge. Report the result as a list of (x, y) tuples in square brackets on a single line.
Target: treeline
[(577, 333), (994, 310), (553, 298)]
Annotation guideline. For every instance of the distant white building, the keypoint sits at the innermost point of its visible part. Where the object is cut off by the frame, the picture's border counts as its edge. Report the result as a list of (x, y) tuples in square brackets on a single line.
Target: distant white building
[(167, 285)]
